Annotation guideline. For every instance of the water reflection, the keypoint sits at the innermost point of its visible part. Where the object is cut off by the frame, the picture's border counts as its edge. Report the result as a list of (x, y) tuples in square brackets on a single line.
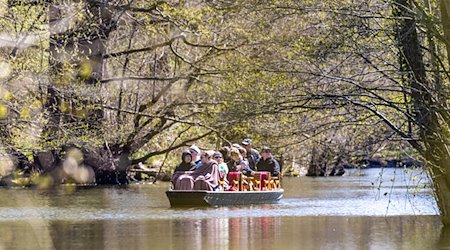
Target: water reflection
[(230, 233), (444, 239), (348, 212)]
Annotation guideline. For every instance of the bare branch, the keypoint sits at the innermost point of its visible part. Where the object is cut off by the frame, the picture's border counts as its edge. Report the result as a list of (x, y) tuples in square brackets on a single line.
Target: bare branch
[(182, 144), (150, 48)]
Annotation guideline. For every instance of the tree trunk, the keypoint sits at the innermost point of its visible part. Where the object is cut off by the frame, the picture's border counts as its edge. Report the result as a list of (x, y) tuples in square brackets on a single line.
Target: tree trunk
[(110, 164), (441, 184), (426, 117), (435, 67), (445, 19), (317, 165), (84, 47)]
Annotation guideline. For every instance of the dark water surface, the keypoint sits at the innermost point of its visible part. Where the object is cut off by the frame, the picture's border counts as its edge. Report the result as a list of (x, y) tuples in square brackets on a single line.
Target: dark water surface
[(368, 209)]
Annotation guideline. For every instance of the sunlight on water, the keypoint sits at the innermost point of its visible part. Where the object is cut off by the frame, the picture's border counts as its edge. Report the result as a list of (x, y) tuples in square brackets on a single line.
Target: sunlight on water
[(334, 196), (364, 210)]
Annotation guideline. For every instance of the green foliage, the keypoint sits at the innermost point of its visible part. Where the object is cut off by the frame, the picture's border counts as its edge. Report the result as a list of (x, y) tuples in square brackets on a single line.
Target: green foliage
[(85, 70), (290, 74), (3, 111)]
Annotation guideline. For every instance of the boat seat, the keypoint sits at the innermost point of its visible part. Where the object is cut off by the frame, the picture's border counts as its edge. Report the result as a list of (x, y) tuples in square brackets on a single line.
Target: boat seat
[(236, 185), (268, 184), (239, 182), (272, 183), (246, 183), (255, 183), (234, 179), (260, 181), (277, 182), (222, 185)]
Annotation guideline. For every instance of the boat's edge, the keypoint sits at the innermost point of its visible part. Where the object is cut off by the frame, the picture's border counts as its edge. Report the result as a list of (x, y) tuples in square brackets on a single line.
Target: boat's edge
[(228, 192), (179, 198)]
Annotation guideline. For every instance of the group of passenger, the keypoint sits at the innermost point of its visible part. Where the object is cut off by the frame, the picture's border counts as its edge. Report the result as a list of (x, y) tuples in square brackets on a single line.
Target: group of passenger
[(204, 170)]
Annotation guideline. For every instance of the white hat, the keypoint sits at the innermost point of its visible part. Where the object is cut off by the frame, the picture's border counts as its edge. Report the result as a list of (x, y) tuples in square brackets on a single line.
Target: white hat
[(195, 149)]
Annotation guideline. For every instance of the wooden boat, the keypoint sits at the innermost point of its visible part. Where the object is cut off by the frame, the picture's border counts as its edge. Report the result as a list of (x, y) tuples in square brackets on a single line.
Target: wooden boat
[(259, 189), (196, 198)]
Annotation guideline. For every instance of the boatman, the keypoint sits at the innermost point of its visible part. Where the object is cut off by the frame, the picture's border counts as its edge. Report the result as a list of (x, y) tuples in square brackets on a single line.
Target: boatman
[(268, 163)]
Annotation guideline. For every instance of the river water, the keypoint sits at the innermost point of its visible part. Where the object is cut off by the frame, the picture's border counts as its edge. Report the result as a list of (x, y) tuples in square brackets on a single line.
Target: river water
[(367, 209)]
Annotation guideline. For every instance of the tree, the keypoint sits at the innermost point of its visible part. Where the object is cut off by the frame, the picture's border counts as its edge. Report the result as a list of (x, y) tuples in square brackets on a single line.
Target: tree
[(340, 68), (360, 64), (159, 75), (92, 40)]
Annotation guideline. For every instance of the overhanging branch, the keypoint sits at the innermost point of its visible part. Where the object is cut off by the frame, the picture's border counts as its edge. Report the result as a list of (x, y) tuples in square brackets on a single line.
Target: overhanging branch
[(182, 144)]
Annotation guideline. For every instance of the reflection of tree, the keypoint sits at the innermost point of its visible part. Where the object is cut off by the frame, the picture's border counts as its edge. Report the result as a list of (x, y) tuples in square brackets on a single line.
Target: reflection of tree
[(307, 232), (253, 232), (235, 232), (444, 239)]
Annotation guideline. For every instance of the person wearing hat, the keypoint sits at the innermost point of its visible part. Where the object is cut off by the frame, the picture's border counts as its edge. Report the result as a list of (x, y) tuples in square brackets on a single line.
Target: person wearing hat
[(186, 162), (223, 167), (195, 151), (186, 165), (252, 154), (268, 163)]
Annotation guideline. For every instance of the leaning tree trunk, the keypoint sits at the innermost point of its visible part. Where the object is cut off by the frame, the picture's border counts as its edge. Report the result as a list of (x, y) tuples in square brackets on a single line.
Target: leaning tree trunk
[(425, 112)]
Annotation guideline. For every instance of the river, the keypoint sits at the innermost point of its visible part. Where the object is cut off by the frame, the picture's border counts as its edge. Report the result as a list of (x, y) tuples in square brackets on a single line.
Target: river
[(366, 209)]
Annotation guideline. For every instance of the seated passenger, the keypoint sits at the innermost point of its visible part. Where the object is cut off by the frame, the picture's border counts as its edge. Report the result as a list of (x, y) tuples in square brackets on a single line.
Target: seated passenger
[(186, 162), (225, 151), (239, 163), (223, 171), (223, 168), (186, 165), (204, 177), (207, 174), (245, 169), (236, 158), (243, 152), (252, 154), (195, 151)]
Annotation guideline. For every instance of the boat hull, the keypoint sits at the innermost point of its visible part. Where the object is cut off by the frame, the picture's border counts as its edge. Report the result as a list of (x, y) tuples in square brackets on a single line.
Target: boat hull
[(182, 198)]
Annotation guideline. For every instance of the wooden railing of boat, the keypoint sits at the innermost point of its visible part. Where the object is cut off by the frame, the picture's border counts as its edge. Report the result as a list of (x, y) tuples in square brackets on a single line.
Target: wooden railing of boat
[(260, 181)]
